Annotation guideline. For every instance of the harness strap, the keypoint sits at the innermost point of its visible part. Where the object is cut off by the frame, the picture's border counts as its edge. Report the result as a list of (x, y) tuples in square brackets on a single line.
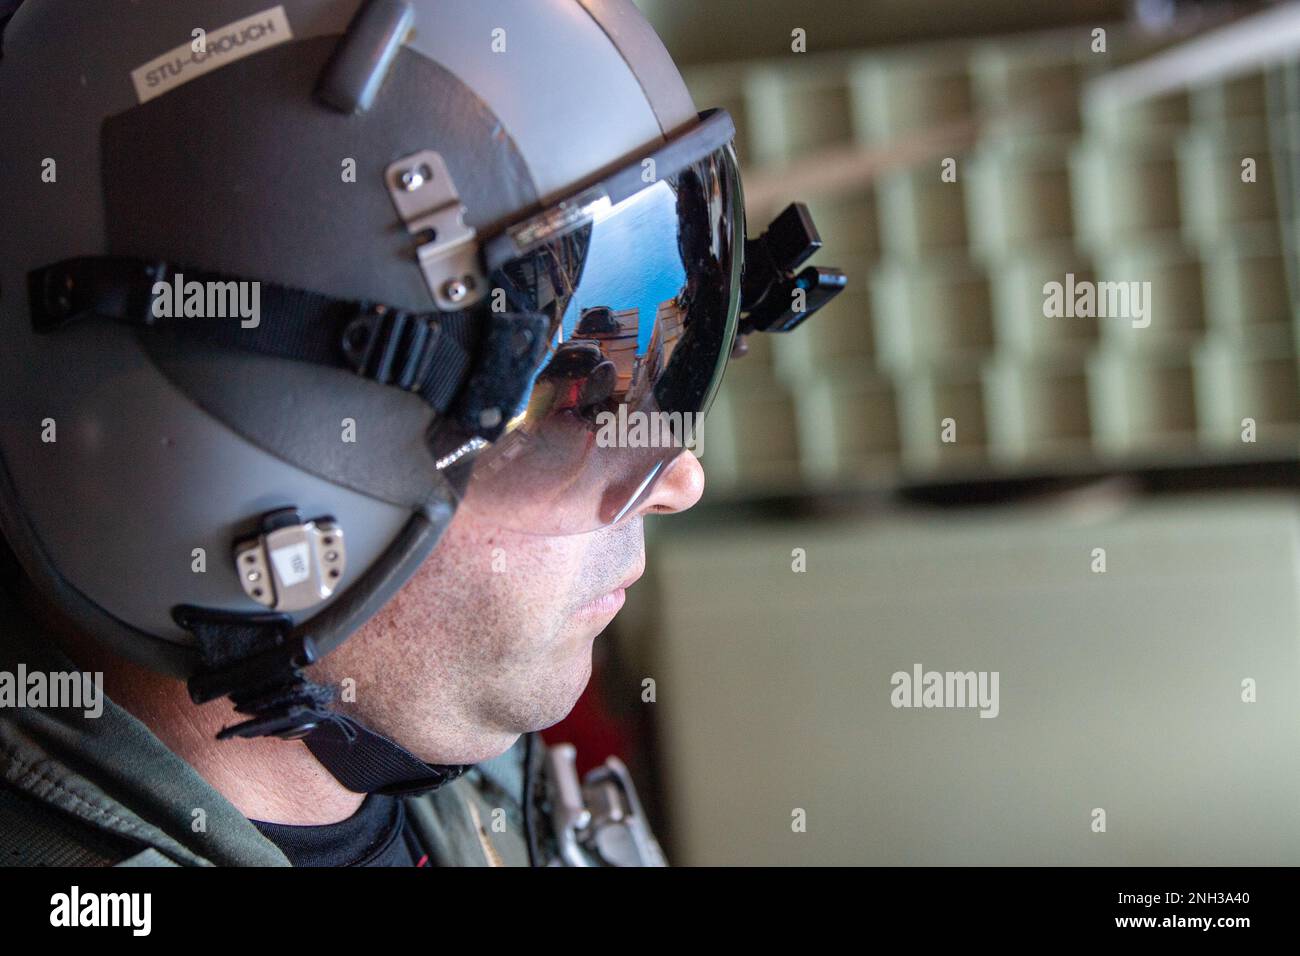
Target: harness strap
[(426, 353)]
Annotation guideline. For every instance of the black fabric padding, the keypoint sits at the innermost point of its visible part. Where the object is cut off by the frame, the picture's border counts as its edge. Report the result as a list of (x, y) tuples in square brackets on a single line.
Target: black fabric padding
[(512, 349), (253, 659)]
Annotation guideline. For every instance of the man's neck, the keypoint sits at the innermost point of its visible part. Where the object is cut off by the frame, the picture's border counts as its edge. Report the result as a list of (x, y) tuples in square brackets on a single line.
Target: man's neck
[(267, 779)]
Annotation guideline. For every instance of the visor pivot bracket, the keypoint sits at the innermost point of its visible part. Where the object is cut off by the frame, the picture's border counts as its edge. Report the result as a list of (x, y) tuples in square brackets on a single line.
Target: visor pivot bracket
[(422, 192), (771, 284)]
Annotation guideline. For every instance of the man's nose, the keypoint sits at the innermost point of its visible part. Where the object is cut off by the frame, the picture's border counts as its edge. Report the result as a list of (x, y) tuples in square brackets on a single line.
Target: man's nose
[(679, 488)]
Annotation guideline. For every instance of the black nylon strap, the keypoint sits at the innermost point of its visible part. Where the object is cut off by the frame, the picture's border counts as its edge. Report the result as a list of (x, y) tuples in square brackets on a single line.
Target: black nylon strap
[(426, 353), (254, 659), (367, 762)]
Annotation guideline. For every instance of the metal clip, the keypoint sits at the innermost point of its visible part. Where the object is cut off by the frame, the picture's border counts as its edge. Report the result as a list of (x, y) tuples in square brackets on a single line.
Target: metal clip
[(426, 198)]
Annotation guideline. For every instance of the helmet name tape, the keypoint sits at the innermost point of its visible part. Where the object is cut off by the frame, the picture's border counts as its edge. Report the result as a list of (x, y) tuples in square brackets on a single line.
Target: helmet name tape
[(224, 45)]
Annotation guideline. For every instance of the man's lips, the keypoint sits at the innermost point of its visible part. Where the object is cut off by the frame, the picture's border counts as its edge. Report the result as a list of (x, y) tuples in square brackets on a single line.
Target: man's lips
[(607, 605), (611, 602)]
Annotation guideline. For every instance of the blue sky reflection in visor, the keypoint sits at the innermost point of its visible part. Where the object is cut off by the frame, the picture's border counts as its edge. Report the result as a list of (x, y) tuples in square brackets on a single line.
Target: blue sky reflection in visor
[(643, 298)]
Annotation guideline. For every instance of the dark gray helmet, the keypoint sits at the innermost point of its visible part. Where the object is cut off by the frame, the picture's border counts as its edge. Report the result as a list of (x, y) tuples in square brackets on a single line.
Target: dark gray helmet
[(281, 287), (291, 143)]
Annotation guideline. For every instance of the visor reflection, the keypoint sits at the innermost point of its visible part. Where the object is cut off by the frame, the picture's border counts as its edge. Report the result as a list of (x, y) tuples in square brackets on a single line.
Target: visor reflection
[(643, 299)]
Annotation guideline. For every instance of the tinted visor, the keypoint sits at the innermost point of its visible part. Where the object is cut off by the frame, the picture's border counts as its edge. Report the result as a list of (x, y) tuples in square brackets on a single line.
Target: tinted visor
[(643, 297)]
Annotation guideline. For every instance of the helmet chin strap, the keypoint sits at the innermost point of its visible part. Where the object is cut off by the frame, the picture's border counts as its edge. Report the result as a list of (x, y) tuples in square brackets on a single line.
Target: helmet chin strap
[(258, 662), (367, 762)]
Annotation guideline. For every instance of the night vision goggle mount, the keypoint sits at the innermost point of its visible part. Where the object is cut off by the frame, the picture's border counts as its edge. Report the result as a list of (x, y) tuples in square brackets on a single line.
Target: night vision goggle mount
[(775, 295)]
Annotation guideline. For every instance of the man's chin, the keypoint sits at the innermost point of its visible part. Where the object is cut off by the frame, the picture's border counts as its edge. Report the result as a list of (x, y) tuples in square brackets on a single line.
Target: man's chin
[(503, 712), (554, 695), (562, 702)]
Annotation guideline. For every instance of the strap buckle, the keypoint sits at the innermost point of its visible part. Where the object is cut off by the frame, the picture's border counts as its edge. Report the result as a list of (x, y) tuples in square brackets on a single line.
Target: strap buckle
[(391, 346), (113, 286)]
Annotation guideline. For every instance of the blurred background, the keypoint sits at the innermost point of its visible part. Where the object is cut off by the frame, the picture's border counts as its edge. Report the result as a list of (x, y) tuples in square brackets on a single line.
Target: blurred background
[(1104, 514)]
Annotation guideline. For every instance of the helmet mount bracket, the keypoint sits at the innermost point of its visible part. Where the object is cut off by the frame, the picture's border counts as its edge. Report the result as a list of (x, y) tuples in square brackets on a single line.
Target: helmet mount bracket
[(426, 199)]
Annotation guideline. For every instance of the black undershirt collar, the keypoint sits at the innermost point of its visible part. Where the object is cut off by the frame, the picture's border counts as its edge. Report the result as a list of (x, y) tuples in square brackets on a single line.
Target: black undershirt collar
[(373, 836)]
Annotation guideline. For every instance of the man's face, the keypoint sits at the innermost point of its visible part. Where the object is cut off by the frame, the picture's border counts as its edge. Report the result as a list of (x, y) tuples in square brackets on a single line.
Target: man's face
[(492, 636)]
